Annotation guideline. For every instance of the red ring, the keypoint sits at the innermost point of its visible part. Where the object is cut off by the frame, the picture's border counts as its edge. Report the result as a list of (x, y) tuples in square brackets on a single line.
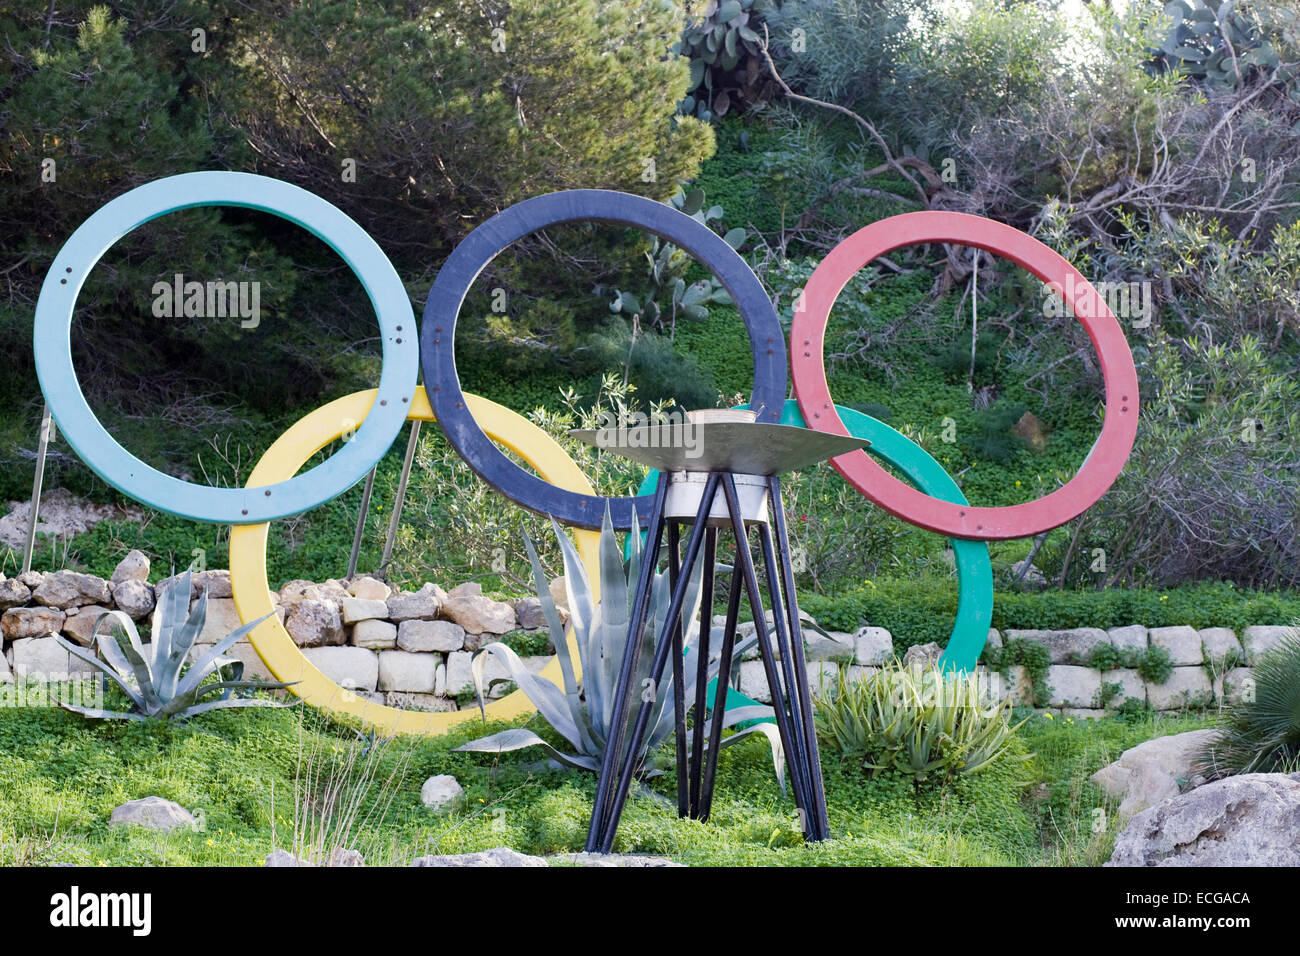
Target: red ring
[(1102, 464)]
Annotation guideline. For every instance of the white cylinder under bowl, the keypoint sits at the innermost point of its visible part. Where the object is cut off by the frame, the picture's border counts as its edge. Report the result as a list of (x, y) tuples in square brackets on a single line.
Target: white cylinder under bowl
[(686, 489)]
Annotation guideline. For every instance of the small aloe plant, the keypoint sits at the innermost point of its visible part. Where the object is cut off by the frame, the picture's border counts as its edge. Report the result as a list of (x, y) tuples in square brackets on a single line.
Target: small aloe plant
[(582, 714), (153, 675)]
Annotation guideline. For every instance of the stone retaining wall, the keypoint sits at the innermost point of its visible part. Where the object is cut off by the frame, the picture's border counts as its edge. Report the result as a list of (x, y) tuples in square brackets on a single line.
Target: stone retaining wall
[(1210, 665), (410, 650), (413, 650)]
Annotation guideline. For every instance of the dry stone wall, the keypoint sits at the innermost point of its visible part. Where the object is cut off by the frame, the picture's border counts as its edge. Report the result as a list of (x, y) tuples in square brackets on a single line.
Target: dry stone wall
[(413, 649)]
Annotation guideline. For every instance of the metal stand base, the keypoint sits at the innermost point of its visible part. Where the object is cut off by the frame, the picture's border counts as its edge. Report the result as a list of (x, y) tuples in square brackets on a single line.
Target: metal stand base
[(783, 661)]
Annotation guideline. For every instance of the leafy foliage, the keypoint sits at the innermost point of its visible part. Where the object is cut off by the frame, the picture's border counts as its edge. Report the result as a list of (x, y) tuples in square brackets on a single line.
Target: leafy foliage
[(154, 676), (583, 715), (1261, 733), (920, 722)]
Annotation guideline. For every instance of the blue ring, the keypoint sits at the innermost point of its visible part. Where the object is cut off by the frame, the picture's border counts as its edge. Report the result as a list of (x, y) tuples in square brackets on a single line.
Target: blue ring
[(438, 334), (97, 448)]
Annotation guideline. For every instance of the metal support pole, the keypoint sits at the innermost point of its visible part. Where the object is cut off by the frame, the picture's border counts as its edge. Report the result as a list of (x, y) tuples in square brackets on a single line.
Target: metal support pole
[(663, 646), (745, 563), (797, 652), (400, 501), (631, 660), (361, 522), (703, 649), (721, 690), (47, 434), (679, 673)]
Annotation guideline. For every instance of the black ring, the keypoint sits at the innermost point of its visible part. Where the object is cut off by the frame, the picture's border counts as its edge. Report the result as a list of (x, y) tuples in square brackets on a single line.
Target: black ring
[(471, 256)]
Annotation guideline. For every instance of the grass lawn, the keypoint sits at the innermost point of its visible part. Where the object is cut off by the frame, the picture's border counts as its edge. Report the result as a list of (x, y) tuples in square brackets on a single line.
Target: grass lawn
[(246, 774)]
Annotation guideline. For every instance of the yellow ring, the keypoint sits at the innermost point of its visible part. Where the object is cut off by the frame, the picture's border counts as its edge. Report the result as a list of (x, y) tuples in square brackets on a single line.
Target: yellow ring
[(252, 591)]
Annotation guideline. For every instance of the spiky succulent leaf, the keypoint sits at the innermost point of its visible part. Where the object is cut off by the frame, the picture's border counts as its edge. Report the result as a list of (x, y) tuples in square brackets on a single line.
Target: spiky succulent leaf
[(519, 739)]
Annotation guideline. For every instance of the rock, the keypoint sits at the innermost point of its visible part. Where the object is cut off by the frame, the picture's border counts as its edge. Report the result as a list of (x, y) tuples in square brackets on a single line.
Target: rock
[(154, 813), (994, 640), (1019, 687), (479, 615), (1071, 646), (369, 589), (1073, 685), (560, 593), (134, 598), (134, 567), (353, 668), (6, 675), (64, 589), (1032, 430), (1153, 771), (753, 681), (441, 636), (924, 654), (528, 612), (423, 605), (215, 582), (1131, 637), (284, 858), (31, 579), (616, 859), (1130, 685), (426, 702), (501, 856), (254, 667), (315, 623), (459, 677), (468, 589), (1259, 640), (341, 856), (1186, 687), (834, 646), (79, 626), (1219, 644), (13, 593), (374, 634), (222, 619), (404, 671), (401, 670), (872, 645), (44, 659), (1246, 820), (360, 609), (1237, 686), (1183, 644), (297, 591), (62, 515), (1029, 575), (19, 622), (442, 792)]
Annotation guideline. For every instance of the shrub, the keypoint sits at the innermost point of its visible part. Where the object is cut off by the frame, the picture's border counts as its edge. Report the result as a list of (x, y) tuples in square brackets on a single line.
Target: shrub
[(1261, 734), (919, 722)]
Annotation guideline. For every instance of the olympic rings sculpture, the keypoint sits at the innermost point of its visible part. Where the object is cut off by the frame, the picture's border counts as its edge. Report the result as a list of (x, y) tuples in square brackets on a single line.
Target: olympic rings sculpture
[(275, 490)]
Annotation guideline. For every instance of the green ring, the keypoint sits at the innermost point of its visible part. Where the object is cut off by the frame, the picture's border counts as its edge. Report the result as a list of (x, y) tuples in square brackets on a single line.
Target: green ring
[(974, 570)]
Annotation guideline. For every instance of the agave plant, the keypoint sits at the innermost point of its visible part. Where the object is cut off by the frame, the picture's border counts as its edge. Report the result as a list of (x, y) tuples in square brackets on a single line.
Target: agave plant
[(916, 720), (154, 676), (1261, 733), (581, 713)]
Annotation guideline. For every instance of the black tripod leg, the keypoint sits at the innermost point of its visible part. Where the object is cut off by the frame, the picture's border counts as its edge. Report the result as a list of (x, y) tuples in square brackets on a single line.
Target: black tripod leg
[(720, 694), (631, 660), (796, 686), (702, 651), (663, 646), (819, 823), (679, 679), (745, 562)]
